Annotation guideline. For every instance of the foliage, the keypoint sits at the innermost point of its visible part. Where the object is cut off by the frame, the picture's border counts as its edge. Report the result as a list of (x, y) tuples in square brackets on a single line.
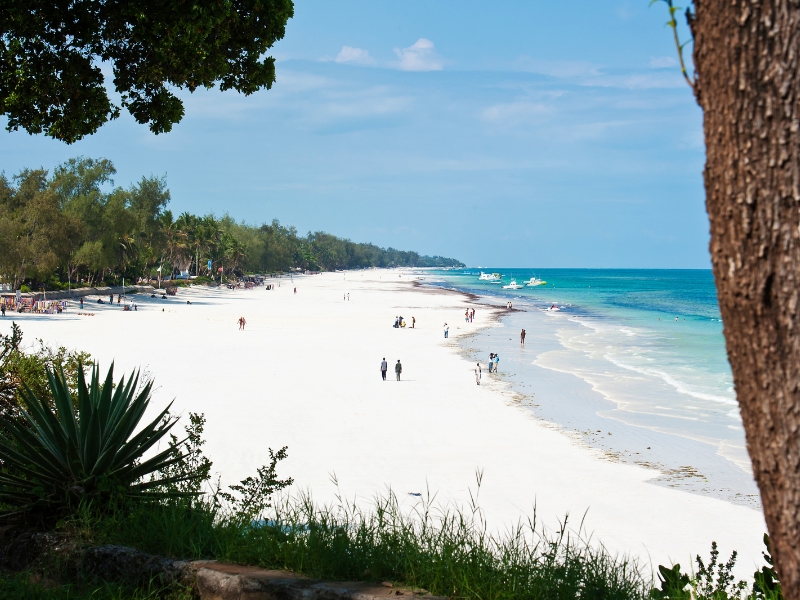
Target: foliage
[(18, 367), (73, 228), (253, 494), (191, 469), (80, 451), (674, 584), (765, 582), (715, 581), (50, 56)]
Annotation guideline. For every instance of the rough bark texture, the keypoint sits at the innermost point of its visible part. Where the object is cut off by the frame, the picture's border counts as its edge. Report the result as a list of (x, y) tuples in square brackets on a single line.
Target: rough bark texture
[(746, 58)]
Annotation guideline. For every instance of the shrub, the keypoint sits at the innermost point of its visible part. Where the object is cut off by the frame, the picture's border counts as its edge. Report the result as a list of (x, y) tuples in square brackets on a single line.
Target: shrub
[(19, 368), (82, 450)]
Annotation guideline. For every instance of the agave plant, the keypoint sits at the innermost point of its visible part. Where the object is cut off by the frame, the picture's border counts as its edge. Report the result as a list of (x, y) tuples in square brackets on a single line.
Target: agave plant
[(84, 448)]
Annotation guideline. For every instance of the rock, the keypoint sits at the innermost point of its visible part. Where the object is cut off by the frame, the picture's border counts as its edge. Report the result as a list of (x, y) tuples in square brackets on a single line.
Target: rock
[(221, 581), (129, 566)]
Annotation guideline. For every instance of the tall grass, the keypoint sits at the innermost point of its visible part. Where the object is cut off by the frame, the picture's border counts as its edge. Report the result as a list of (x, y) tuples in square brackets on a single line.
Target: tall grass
[(447, 551)]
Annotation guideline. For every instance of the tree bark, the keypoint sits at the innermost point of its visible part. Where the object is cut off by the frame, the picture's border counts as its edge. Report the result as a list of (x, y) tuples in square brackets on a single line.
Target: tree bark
[(746, 57)]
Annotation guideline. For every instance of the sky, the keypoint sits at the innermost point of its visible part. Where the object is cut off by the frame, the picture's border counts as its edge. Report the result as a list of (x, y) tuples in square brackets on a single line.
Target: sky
[(531, 133)]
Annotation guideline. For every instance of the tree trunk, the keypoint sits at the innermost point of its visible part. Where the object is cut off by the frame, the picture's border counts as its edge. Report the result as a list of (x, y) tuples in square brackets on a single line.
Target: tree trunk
[(746, 57)]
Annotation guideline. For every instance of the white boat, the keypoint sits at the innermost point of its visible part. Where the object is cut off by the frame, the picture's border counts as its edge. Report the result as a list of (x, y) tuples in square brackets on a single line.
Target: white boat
[(534, 281), (490, 277), (513, 285)]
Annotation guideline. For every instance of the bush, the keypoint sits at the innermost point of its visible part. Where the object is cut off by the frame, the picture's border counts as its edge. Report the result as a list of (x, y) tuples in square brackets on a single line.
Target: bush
[(202, 280), (715, 581), (19, 368), (24, 289), (82, 450)]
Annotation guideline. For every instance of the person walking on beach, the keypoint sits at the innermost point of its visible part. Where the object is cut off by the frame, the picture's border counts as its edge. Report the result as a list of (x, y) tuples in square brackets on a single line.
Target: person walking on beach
[(496, 363), (3, 309), (348, 296), (491, 361), (413, 322), (398, 368), (446, 330), (522, 338), (295, 290), (478, 373), (242, 322), (384, 368), (466, 316)]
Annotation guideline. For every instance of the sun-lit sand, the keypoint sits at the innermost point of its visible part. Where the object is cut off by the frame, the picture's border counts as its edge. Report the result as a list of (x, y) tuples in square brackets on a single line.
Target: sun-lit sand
[(305, 374)]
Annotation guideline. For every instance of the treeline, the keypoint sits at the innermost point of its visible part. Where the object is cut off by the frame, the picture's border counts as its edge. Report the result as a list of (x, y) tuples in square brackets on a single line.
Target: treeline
[(72, 227)]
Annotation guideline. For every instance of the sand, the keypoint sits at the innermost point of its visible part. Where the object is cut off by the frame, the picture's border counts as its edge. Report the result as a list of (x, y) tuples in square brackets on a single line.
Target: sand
[(305, 374)]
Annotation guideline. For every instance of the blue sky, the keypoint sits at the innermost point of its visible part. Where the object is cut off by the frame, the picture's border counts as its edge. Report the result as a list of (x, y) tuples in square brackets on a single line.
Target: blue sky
[(528, 133)]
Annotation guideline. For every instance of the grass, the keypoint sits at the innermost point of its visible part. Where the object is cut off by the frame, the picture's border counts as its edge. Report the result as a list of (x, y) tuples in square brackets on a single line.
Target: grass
[(446, 551), (22, 587)]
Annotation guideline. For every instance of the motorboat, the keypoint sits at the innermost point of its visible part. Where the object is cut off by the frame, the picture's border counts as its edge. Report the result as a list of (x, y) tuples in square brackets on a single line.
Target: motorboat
[(492, 277), (513, 285), (534, 281)]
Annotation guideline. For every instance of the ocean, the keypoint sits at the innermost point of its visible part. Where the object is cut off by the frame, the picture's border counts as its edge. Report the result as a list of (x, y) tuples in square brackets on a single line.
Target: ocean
[(632, 363)]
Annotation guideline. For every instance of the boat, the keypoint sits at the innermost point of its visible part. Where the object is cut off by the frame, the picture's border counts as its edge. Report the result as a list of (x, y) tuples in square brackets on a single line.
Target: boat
[(513, 285), (490, 277), (534, 281)]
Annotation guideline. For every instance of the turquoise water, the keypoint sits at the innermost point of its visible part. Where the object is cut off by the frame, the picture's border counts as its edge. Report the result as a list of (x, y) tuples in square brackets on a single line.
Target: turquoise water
[(647, 300), (649, 343)]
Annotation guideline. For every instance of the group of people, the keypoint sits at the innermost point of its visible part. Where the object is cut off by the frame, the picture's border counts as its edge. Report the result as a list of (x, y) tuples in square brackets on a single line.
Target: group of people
[(400, 322), (398, 368), (469, 315), (494, 359)]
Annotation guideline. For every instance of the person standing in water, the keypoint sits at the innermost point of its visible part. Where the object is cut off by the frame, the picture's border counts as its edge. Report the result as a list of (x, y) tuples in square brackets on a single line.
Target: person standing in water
[(478, 373), (384, 368), (522, 338), (398, 368)]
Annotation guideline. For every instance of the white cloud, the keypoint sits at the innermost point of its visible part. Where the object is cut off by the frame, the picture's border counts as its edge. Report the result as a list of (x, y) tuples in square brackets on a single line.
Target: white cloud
[(662, 62), (357, 56), (420, 56)]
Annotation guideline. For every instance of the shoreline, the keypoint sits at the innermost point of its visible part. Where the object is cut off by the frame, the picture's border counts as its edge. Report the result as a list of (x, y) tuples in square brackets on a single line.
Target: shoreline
[(305, 374), (595, 421)]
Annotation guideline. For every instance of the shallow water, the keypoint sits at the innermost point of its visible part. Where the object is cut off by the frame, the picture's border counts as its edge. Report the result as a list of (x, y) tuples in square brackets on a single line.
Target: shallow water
[(633, 362)]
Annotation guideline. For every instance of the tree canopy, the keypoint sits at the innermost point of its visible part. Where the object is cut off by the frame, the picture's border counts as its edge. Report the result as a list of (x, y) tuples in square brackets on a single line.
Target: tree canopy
[(52, 54), (74, 226)]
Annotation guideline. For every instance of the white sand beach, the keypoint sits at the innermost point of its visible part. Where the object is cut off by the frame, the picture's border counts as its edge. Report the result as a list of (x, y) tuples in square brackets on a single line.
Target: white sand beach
[(305, 374)]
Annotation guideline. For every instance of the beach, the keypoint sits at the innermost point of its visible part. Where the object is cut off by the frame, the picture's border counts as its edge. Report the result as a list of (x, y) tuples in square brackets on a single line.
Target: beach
[(305, 373)]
